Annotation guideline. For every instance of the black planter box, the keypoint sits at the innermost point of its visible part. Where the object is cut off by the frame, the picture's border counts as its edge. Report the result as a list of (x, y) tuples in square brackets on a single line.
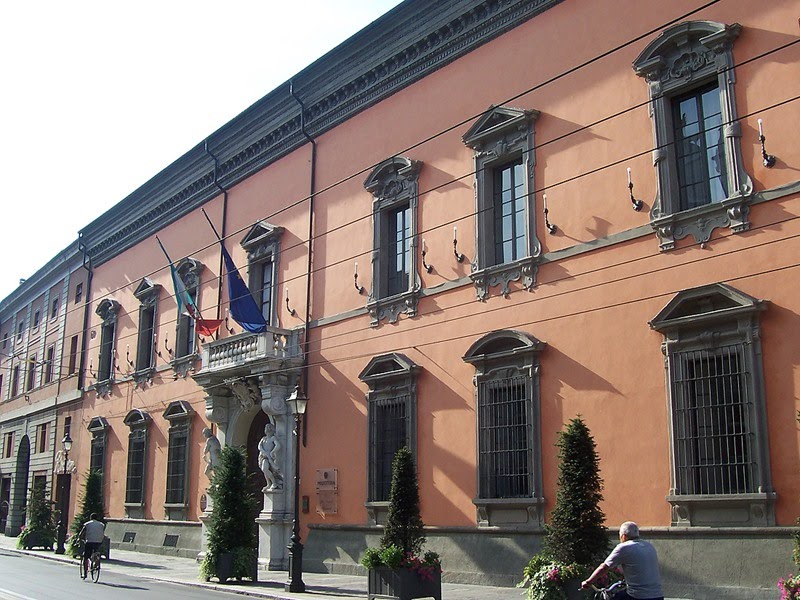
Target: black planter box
[(224, 568), (402, 584)]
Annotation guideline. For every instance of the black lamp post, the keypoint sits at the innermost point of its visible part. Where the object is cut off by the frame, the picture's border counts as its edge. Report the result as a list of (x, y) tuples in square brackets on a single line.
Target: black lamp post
[(66, 445), (297, 402)]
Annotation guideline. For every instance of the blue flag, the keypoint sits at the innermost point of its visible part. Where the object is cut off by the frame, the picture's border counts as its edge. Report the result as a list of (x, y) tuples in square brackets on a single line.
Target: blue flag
[(243, 307)]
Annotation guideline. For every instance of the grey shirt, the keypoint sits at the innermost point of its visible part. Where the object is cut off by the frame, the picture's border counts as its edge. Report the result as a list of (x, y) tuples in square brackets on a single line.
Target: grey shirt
[(94, 531), (639, 563)]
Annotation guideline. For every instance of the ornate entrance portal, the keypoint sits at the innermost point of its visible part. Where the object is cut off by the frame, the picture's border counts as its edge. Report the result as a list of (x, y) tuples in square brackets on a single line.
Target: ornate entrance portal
[(248, 378)]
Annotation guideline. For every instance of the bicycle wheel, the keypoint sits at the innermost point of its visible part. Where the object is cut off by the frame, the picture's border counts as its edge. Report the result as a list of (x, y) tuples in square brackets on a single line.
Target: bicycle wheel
[(82, 564), (95, 567)]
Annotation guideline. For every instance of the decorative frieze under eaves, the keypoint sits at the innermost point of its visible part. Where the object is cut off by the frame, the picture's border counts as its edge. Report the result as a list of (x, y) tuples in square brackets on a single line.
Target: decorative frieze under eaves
[(257, 137)]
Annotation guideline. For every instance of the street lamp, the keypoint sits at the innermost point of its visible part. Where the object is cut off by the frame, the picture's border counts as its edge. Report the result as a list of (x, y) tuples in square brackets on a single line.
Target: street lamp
[(66, 446), (297, 402)]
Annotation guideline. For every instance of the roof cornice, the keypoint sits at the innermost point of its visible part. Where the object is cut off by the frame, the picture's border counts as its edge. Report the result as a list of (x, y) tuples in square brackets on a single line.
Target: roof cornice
[(409, 42)]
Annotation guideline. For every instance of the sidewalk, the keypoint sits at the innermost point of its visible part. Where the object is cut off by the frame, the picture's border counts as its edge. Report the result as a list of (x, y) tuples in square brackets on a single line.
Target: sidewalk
[(270, 585)]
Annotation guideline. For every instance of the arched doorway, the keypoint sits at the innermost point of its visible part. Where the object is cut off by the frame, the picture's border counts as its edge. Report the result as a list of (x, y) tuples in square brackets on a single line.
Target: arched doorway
[(19, 493)]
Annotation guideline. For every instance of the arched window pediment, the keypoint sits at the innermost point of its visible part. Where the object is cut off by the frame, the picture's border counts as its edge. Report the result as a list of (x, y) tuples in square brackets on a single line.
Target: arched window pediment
[(502, 344)]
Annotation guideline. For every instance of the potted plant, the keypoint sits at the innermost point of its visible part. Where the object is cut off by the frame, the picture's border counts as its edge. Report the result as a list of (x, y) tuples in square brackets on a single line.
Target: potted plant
[(92, 503), (232, 551), (398, 568), (576, 538), (790, 586), (40, 531)]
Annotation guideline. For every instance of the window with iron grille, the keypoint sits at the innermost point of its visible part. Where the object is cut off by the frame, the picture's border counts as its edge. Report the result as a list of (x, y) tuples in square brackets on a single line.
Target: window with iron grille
[(507, 247), (179, 414), (391, 414), (716, 393), (504, 438), (134, 490), (701, 181), (388, 433), (395, 277), (176, 463), (509, 469)]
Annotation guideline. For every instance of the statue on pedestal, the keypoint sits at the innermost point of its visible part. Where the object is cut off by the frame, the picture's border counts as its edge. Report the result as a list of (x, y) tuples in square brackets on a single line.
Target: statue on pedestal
[(211, 452), (269, 458)]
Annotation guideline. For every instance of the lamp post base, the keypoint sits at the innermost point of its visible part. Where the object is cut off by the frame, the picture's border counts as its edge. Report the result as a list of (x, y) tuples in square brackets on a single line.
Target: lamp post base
[(295, 583)]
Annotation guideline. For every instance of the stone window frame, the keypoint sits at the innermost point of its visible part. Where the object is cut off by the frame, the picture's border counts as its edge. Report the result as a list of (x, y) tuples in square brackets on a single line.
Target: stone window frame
[(683, 58), (98, 427), (147, 293), (706, 318), (108, 310), (497, 356), (179, 415), (501, 135), (263, 243), (189, 270), (393, 183), (388, 376), (138, 421), (48, 365)]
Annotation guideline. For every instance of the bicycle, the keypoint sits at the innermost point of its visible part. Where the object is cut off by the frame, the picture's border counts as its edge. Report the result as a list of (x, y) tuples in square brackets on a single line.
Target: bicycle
[(93, 568), (609, 592)]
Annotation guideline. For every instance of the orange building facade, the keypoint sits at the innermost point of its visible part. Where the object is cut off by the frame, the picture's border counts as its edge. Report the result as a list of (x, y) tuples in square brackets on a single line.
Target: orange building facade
[(464, 226)]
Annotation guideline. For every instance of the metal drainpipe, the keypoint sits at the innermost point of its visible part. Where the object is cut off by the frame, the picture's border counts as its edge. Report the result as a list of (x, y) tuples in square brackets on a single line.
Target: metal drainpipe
[(310, 243), (86, 260), (222, 234)]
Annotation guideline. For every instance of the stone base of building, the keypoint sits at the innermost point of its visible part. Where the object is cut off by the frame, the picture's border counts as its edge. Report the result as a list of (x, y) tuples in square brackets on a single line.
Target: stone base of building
[(172, 538), (724, 563)]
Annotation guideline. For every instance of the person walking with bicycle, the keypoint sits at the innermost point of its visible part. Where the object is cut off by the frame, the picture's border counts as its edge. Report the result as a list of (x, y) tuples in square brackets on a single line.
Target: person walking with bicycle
[(639, 562), (92, 534)]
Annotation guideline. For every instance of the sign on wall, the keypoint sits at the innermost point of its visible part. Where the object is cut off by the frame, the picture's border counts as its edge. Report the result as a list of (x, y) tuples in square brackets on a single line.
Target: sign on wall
[(327, 491)]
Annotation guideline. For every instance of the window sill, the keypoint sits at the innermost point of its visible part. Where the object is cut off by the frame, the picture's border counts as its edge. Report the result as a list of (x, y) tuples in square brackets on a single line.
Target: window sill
[(502, 275), (183, 365), (144, 375), (377, 512), (392, 307), (520, 512), (701, 221), (103, 388), (731, 510)]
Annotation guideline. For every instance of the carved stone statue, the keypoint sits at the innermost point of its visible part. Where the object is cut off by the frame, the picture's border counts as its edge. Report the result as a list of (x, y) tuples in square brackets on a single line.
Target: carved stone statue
[(211, 452), (269, 458)]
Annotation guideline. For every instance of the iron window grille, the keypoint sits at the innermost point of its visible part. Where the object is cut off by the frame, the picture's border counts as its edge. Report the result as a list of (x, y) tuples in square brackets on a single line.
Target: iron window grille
[(712, 411), (388, 420), (176, 464), (134, 490), (720, 467), (98, 427)]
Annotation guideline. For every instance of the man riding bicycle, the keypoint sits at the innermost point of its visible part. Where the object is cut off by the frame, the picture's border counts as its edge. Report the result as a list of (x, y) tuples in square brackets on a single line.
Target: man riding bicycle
[(639, 563), (92, 535)]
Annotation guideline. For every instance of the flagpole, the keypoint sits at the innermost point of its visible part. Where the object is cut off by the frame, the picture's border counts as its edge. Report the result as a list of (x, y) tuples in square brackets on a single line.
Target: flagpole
[(214, 229), (164, 250)]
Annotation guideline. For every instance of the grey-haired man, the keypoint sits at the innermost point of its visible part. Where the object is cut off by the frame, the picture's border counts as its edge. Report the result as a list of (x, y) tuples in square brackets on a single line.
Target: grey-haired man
[(639, 563)]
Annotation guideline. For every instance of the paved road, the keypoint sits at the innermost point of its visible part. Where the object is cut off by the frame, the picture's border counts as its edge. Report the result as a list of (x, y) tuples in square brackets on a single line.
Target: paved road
[(25, 577)]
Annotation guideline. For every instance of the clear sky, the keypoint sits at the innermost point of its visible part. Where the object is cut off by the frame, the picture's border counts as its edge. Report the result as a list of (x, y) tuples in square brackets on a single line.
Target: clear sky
[(97, 96)]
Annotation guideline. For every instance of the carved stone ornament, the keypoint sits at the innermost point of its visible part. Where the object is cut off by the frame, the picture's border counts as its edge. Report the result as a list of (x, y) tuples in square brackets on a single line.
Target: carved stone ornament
[(246, 392), (503, 275), (391, 308)]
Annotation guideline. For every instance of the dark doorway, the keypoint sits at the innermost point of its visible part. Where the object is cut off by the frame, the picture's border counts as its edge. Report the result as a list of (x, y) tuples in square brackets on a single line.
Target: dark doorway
[(5, 501)]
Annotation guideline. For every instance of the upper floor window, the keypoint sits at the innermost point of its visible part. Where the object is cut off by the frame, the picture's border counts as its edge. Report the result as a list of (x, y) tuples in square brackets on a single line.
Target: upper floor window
[(189, 270), (138, 422), (78, 292), (15, 381), (20, 329), (54, 308), (5, 339), (262, 244), (36, 319), (391, 412), (506, 246), (147, 293), (701, 181), (179, 414), (107, 310), (49, 363), (8, 444), (720, 461), (42, 438), (508, 430), (98, 427), (30, 382), (395, 279), (72, 365)]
